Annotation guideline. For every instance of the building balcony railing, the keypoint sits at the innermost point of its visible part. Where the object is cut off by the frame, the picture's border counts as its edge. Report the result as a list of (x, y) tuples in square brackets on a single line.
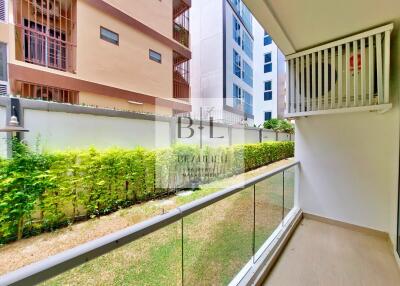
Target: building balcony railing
[(45, 33), (247, 218), (46, 93), (181, 87), (181, 28)]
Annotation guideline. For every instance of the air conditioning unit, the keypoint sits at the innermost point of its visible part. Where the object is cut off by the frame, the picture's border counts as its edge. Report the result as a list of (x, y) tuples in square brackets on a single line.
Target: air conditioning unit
[(47, 8), (352, 72), (330, 84)]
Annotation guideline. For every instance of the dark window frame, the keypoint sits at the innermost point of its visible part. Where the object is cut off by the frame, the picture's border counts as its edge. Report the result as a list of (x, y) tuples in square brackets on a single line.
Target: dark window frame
[(267, 117), (153, 58), (107, 39)]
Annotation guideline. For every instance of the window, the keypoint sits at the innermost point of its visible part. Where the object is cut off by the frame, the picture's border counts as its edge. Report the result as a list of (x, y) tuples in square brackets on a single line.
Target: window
[(237, 64), (267, 39), (3, 62), (236, 4), (247, 74), (267, 63), (237, 96), (236, 31), (154, 56), (109, 36), (267, 115), (247, 18), (247, 45), (43, 50), (3, 10), (248, 103), (268, 90)]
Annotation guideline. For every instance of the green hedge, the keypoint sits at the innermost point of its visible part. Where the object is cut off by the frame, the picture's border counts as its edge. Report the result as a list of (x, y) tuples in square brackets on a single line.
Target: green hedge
[(42, 192)]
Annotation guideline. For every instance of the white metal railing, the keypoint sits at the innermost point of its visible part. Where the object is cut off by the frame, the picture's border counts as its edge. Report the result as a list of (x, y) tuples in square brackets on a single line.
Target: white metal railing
[(350, 74)]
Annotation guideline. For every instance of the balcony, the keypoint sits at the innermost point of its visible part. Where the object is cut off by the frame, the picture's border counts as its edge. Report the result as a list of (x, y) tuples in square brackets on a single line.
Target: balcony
[(45, 33), (181, 29), (322, 253), (181, 77)]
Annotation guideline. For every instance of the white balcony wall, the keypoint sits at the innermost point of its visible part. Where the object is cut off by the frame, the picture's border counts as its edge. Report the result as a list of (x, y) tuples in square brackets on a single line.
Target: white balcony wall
[(350, 162)]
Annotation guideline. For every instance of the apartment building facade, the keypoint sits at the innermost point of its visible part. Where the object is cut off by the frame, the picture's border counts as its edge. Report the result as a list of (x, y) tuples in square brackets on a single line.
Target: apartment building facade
[(222, 66), (125, 55), (269, 77)]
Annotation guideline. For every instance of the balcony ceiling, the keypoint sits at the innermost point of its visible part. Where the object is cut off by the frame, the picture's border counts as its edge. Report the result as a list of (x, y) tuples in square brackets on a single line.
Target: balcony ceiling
[(300, 24)]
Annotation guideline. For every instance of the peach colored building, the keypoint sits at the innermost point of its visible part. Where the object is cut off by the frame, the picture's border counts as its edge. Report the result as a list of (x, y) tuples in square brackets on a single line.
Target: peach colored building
[(122, 54)]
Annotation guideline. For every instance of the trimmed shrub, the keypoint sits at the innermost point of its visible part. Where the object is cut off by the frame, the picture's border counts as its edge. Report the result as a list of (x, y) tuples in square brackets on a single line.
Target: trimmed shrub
[(43, 192)]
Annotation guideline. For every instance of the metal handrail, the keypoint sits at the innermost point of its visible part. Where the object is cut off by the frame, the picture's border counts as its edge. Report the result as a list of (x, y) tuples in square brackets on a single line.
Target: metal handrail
[(59, 263)]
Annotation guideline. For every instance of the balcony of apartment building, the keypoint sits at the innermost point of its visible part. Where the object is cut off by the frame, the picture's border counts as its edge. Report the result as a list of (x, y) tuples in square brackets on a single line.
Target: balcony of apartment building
[(181, 71), (328, 217), (45, 33)]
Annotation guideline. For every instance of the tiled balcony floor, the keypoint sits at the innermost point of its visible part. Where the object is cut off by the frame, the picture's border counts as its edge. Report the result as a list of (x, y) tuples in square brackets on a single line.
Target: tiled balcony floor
[(321, 254)]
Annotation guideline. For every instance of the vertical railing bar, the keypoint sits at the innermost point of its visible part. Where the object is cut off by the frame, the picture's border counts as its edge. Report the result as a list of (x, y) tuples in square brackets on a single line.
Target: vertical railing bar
[(292, 91), (333, 77), (287, 106), (302, 89), (348, 74), (355, 71), (386, 78), (363, 80), (254, 222), (307, 83), (182, 253), (297, 106), (371, 69), (313, 72), (379, 67), (319, 80), (340, 76), (326, 79), (283, 196)]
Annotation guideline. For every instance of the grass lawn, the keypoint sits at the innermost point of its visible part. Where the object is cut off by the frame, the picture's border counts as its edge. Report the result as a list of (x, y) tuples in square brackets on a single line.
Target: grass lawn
[(217, 241)]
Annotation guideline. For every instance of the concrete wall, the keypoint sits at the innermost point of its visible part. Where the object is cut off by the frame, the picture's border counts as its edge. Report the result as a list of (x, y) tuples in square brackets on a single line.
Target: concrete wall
[(57, 126), (59, 130), (155, 13), (131, 67)]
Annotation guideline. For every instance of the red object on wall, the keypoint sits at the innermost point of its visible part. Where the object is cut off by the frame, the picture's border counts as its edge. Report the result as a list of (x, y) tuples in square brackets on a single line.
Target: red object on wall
[(358, 62)]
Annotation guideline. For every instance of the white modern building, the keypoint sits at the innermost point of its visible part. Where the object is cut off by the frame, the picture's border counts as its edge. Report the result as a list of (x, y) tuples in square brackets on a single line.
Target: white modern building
[(222, 66), (269, 77)]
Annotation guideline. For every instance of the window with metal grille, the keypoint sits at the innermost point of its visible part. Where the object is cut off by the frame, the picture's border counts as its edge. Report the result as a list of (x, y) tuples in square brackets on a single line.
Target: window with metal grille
[(45, 33), (3, 62), (3, 10), (47, 93)]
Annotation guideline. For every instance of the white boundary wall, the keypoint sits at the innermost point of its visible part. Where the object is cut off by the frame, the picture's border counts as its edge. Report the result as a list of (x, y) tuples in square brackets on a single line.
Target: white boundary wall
[(55, 126)]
